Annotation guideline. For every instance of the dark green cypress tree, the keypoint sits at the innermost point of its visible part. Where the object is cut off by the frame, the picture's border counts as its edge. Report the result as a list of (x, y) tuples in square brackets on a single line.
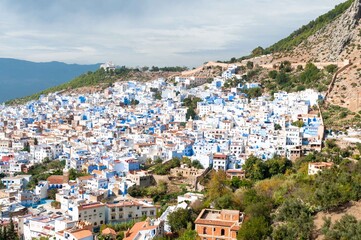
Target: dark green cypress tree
[(5, 235), (12, 235), (1, 233)]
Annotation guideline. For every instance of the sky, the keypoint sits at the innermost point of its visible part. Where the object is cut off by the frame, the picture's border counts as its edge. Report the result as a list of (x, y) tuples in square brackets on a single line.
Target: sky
[(148, 32)]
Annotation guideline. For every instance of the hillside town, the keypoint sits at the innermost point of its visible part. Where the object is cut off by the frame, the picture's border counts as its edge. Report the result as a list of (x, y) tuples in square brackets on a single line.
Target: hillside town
[(108, 137)]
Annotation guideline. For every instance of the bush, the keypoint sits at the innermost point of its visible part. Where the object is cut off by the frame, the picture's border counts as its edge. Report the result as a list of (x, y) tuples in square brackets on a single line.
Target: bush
[(179, 219), (255, 228), (55, 204), (332, 68)]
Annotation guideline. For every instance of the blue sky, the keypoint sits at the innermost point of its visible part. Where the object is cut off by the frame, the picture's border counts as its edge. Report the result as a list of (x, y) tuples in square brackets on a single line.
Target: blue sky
[(148, 32)]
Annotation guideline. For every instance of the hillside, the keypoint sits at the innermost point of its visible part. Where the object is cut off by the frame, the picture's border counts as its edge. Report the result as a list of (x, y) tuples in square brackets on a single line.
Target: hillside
[(93, 81), (332, 38), (300, 35), (21, 78)]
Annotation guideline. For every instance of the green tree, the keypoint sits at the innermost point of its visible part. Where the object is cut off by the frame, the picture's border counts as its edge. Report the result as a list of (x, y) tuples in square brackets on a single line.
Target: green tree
[(296, 219), (258, 51), (136, 191), (217, 186), (277, 127), (273, 74), (197, 164), (249, 65), (256, 228), (332, 68), (298, 123), (256, 205), (5, 233), (157, 95), (52, 193), (310, 74), (346, 228), (285, 66), (74, 174), (188, 234), (179, 219), (255, 168), (277, 165), (282, 78), (120, 235)]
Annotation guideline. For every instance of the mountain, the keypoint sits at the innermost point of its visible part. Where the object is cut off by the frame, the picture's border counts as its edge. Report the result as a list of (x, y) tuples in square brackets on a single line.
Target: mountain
[(333, 38), (20, 78)]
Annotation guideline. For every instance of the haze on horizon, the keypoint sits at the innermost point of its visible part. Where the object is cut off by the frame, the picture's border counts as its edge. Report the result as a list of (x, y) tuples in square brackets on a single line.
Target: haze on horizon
[(148, 32)]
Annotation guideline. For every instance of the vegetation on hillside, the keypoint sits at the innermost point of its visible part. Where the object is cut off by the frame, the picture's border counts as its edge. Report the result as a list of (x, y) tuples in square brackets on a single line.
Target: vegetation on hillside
[(346, 228), (99, 77), (311, 28), (279, 198), (285, 78), (191, 104), (41, 171), (339, 118), (298, 36)]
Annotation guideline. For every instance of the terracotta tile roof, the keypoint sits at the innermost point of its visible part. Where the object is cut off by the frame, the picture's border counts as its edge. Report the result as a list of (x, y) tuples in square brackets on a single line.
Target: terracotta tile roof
[(90, 205), (85, 177), (82, 234), (55, 179), (219, 156)]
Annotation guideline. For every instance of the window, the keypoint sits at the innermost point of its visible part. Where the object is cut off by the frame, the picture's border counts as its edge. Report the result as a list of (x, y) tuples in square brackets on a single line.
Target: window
[(95, 210), (204, 230), (101, 222), (222, 232), (113, 217), (95, 223), (113, 209)]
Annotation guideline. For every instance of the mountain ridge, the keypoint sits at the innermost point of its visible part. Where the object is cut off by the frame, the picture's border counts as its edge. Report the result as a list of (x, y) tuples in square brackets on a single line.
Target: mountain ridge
[(20, 78)]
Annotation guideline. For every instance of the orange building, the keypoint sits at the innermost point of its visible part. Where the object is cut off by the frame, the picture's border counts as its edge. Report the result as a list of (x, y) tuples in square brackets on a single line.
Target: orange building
[(218, 224)]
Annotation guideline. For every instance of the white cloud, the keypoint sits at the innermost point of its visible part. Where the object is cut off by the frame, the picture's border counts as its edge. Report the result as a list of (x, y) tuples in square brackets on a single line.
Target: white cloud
[(148, 32)]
